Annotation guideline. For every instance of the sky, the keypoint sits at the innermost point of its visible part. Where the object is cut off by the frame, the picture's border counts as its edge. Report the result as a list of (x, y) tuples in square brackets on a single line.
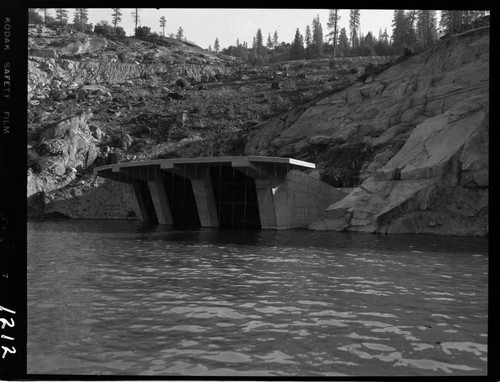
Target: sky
[(203, 26)]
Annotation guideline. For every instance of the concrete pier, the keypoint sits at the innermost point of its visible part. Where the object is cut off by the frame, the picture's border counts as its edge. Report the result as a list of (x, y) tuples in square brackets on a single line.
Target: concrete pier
[(230, 192)]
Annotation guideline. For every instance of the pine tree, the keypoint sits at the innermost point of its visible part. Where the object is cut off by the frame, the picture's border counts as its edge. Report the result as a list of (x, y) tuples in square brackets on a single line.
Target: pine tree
[(180, 34), (275, 39), (369, 44), (317, 38), (76, 19), (354, 26), (84, 16), (381, 46), (332, 24), (385, 36), (453, 21), (135, 17), (237, 42), (308, 36), (163, 22), (117, 17), (426, 27), (343, 43), (210, 48), (411, 34), (269, 41), (297, 47), (399, 30), (62, 15), (259, 42), (216, 45), (80, 18)]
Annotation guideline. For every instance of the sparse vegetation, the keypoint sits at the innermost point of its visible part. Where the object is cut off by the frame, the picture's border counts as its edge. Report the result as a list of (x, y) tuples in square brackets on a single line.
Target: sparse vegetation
[(35, 161)]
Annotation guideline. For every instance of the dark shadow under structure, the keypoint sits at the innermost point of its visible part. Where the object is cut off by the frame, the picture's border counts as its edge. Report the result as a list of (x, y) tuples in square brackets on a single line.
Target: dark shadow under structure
[(182, 202), (236, 198)]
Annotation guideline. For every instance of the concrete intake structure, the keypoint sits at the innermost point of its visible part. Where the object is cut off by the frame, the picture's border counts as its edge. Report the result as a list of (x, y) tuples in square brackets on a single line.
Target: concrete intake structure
[(228, 192)]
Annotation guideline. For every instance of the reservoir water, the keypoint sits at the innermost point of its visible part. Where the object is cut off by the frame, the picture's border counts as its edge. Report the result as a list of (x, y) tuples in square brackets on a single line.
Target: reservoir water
[(108, 297)]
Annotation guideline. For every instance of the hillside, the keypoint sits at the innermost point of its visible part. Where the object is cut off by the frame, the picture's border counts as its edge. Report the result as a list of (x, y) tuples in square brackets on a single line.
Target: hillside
[(411, 140), (90, 96), (364, 121)]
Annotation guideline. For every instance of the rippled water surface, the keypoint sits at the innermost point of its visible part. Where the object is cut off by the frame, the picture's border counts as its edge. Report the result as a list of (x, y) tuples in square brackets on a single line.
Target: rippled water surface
[(118, 298)]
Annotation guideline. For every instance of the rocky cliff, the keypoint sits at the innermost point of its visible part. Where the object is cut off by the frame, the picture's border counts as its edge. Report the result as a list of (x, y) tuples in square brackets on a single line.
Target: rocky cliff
[(90, 96), (409, 139), (412, 140), (83, 91)]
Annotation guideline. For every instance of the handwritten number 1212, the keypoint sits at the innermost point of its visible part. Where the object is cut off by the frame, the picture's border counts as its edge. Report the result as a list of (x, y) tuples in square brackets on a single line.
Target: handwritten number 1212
[(10, 323)]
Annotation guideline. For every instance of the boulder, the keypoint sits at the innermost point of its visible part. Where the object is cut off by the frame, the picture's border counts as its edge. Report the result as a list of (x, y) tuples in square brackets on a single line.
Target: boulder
[(182, 83), (125, 141), (97, 133), (72, 140)]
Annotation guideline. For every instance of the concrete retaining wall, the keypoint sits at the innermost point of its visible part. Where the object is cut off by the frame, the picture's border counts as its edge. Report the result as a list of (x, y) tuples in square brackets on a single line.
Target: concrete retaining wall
[(301, 198)]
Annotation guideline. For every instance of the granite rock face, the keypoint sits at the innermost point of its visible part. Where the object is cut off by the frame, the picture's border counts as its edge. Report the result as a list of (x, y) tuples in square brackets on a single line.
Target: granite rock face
[(70, 141), (419, 131), (438, 181), (67, 147), (421, 87)]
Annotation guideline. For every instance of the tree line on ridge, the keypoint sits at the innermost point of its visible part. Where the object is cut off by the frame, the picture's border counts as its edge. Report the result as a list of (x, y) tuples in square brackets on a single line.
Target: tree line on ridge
[(412, 30)]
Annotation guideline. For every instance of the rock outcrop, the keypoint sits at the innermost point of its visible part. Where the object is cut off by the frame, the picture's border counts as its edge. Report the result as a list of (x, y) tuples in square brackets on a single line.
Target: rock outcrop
[(83, 59), (67, 147), (437, 183), (70, 142), (415, 137)]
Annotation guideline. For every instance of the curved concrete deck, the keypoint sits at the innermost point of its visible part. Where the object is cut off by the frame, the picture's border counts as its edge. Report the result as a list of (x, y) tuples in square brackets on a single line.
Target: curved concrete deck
[(244, 192)]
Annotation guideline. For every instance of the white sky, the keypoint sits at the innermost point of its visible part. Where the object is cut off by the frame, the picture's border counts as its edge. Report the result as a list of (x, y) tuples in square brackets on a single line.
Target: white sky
[(202, 26)]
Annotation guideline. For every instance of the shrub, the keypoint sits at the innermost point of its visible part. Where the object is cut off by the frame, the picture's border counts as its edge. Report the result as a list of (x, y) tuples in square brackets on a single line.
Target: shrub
[(142, 32), (120, 32), (103, 29), (108, 30)]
